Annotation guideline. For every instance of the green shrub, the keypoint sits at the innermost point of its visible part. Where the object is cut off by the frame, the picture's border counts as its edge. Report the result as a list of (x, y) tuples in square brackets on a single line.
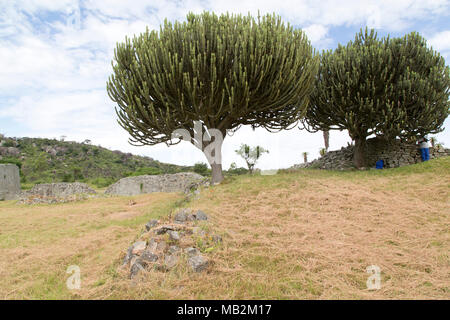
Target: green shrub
[(102, 182), (67, 177), (9, 143), (236, 171), (201, 168), (12, 161), (144, 171)]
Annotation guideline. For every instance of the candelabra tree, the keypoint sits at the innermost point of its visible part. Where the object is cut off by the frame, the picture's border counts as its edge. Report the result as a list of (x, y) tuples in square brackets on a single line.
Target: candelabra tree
[(222, 71), (385, 87)]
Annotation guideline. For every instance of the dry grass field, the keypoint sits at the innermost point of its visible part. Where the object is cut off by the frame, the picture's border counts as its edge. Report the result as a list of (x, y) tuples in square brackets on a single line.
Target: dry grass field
[(307, 234)]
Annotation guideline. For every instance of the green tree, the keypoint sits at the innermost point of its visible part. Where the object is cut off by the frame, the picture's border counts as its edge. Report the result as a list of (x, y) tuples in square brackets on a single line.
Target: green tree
[(40, 164), (250, 155), (225, 71), (305, 157), (384, 87), (322, 152), (201, 168)]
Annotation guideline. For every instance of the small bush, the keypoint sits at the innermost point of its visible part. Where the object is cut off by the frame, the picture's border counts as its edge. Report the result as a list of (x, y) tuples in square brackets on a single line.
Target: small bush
[(201, 168), (102, 182), (144, 171)]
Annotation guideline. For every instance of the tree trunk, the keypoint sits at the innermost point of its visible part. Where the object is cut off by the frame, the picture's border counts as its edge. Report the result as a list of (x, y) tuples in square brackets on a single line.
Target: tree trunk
[(359, 153), (216, 174), (326, 139), (213, 152)]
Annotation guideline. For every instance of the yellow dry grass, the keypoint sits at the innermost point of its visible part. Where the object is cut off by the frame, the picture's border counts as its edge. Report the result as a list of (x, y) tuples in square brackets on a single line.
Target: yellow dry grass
[(303, 235), (38, 243)]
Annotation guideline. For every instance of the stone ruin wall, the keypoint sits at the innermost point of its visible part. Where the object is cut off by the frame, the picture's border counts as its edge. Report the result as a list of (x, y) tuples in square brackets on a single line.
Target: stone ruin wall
[(396, 154), (9, 182)]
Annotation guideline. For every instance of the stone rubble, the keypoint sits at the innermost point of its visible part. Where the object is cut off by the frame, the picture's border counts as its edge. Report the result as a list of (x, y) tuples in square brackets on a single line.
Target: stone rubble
[(165, 245), (394, 154)]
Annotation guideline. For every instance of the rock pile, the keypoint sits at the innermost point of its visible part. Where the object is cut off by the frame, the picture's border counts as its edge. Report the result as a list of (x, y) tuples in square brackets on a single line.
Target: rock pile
[(178, 182), (394, 154), (164, 246), (56, 193)]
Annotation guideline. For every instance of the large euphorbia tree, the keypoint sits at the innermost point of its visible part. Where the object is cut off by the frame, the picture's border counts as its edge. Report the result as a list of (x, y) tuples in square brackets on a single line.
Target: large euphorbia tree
[(385, 87), (222, 71)]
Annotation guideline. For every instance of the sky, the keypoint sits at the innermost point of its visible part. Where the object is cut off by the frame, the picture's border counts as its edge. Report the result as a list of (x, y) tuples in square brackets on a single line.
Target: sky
[(55, 59)]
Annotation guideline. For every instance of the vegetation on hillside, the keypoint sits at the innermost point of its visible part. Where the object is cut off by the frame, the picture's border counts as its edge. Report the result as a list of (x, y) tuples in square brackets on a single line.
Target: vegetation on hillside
[(51, 160)]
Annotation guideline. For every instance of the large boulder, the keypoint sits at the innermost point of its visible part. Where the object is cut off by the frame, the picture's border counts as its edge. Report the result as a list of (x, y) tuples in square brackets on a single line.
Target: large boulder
[(178, 182), (9, 182)]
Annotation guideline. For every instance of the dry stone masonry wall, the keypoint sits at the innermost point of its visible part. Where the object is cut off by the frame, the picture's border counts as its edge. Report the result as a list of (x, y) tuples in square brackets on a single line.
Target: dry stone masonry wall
[(178, 182), (56, 193), (395, 154)]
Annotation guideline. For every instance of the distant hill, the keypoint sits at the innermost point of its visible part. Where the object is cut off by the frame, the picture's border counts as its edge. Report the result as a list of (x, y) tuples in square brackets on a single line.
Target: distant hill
[(51, 160)]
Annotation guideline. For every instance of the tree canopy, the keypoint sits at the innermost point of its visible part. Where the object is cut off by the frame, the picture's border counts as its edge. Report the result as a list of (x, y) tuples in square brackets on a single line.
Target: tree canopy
[(225, 71), (385, 87)]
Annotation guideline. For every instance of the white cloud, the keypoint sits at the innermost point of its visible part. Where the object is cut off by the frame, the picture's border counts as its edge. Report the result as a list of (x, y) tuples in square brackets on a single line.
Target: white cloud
[(317, 34), (54, 70), (441, 42)]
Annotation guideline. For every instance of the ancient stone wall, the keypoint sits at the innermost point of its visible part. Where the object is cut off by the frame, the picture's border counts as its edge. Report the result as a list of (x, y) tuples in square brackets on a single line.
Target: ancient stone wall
[(56, 193), (9, 182), (178, 182), (394, 154), (62, 189)]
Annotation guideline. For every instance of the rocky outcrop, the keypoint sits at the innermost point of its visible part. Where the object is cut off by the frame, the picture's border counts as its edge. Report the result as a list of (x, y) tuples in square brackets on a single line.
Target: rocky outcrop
[(56, 193), (9, 182), (9, 151), (394, 154), (178, 182)]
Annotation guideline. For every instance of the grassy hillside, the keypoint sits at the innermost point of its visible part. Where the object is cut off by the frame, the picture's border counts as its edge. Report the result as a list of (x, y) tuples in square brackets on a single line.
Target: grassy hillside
[(306, 234), (50, 160)]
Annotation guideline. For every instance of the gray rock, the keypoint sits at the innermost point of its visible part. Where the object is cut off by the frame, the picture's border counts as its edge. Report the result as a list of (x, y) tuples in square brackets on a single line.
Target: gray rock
[(173, 235), (152, 245), (163, 229), (135, 269), (161, 246), (181, 216), (151, 224), (138, 247), (149, 256), (170, 261), (174, 249), (191, 252), (200, 215), (198, 263), (128, 256)]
